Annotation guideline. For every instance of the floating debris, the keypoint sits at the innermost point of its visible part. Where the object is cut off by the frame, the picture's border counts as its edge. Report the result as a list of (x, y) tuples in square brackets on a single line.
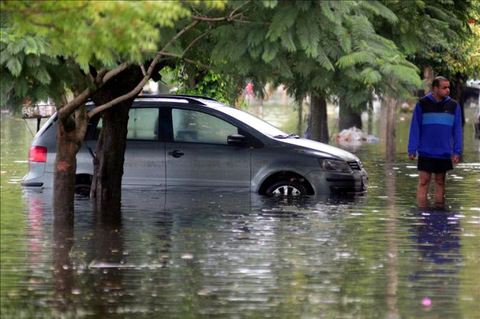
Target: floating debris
[(353, 135)]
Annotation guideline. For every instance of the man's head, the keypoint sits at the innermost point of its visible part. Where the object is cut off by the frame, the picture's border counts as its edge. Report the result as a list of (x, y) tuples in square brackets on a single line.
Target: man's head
[(440, 88)]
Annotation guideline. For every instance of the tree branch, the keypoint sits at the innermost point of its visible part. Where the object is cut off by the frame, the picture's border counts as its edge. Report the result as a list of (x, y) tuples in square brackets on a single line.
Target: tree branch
[(66, 110), (146, 77), (185, 59), (231, 17), (196, 40), (112, 73), (127, 96), (179, 34)]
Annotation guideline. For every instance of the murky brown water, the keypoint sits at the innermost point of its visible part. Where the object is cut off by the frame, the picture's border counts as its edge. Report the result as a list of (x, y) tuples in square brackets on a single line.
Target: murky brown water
[(238, 255)]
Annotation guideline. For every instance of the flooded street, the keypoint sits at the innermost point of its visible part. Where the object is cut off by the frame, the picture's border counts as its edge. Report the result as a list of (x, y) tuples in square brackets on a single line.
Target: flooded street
[(213, 254)]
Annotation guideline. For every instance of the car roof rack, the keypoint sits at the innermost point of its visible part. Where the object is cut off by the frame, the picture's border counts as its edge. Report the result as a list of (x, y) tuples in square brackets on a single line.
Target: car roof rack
[(191, 99)]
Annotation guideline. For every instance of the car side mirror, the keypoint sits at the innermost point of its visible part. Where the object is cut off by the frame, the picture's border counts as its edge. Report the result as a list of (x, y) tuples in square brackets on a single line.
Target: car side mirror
[(236, 140)]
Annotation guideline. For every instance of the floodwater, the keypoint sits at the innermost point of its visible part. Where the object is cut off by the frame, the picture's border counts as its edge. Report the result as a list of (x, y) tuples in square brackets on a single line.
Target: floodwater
[(237, 255)]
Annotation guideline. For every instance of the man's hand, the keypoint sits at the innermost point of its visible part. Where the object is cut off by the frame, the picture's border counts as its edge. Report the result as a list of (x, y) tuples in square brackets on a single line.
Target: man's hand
[(455, 159), (411, 156)]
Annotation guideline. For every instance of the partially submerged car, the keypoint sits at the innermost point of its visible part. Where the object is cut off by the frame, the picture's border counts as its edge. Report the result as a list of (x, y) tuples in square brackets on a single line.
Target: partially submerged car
[(186, 141)]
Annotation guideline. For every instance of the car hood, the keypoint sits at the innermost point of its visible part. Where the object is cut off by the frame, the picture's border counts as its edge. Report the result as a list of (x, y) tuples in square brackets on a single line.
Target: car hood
[(320, 149)]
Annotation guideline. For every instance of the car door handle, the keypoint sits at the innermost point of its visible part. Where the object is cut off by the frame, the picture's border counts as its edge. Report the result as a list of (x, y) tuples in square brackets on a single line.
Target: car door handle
[(177, 153)]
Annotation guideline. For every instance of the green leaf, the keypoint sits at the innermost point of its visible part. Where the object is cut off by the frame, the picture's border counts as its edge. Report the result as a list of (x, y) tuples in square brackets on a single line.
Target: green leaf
[(42, 76), (288, 42), (308, 33), (282, 20), (269, 52), (370, 76), (356, 58), (14, 66), (323, 60)]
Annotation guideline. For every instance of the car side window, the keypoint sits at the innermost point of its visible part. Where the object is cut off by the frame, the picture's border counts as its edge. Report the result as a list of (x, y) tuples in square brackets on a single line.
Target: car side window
[(143, 124), (199, 127)]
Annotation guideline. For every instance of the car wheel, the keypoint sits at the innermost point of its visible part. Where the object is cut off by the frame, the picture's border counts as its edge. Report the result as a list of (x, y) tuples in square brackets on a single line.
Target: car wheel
[(286, 188), (82, 190)]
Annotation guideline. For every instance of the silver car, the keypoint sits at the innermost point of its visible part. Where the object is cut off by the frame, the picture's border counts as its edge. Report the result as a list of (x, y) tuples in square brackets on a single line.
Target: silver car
[(177, 141)]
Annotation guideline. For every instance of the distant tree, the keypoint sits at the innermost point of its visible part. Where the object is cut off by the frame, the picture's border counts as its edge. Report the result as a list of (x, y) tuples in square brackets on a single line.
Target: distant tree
[(320, 49), (441, 36)]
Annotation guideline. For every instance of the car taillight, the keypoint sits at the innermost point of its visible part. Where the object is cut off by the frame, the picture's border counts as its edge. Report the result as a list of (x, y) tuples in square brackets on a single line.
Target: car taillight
[(37, 154)]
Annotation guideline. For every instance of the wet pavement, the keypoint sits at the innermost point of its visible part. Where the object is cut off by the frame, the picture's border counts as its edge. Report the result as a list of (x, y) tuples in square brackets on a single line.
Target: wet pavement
[(213, 254)]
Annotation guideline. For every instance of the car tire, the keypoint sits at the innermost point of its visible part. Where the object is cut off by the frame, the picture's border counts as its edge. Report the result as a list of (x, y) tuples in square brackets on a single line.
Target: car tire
[(82, 190), (286, 187)]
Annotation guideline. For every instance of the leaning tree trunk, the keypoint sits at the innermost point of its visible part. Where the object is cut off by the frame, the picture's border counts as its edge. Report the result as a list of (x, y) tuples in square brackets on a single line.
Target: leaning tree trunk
[(318, 119), (348, 117), (110, 150)]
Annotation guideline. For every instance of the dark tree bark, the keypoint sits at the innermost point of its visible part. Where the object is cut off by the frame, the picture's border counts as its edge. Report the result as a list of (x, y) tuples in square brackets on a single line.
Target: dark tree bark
[(110, 151), (348, 117), (300, 117), (457, 93), (318, 119), (65, 168)]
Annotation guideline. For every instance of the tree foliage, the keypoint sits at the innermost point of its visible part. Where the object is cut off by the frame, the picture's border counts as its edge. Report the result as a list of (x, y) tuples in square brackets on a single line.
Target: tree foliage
[(438, 34), (83, 35), (331, 47)]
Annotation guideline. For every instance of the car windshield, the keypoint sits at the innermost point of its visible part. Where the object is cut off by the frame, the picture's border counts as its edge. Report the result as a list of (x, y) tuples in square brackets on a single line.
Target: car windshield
[(255, 122)]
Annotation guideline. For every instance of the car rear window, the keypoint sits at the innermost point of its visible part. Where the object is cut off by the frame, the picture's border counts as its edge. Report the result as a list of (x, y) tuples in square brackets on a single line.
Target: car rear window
[(142, 124)]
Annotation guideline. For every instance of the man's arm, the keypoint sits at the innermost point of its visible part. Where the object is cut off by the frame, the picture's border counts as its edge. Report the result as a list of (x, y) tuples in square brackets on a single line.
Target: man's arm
[(457, 135)]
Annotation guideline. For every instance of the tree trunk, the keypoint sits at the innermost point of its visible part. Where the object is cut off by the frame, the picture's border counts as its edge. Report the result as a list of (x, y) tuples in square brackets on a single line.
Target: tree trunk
[(457, 93), (428, 75), (318, 119), (65, 169), (348, 117), (109, 159), (391, 130), (300, 117), (370, 117), (110, 150)]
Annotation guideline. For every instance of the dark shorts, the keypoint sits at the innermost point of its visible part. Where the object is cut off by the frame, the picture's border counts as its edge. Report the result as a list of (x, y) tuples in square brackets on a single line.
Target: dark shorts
[(434, 165)]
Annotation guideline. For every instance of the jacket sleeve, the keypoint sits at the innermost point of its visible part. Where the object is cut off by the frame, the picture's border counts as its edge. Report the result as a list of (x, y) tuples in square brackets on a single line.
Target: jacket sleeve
[(457, 132), (415, 125)]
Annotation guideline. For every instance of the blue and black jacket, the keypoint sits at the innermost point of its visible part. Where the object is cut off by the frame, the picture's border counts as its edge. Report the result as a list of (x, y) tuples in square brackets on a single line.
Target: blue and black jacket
[(436, 128)]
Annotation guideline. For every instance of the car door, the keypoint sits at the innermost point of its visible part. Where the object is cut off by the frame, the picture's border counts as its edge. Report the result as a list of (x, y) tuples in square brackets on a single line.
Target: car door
[(145, 154), (199, 155)]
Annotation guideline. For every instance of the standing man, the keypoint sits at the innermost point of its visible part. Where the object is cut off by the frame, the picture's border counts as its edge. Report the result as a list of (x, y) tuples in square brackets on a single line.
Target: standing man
[(436, 136)]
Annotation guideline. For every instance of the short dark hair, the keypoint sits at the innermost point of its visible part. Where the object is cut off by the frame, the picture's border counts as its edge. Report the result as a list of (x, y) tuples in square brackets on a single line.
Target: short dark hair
[(437, 80)]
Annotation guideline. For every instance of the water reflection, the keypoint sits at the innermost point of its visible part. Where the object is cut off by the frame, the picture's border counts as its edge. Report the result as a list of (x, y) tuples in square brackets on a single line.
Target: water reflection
[(436, 233), (392, 243), (236, 255)]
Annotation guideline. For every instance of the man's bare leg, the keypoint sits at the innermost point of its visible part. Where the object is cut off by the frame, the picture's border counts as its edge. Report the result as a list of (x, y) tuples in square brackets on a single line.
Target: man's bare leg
[(440, 189), (422, 190)]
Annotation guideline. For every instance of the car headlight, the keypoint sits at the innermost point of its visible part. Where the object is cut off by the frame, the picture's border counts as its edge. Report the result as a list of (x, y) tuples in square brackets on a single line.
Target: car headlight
[(334, 165)]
